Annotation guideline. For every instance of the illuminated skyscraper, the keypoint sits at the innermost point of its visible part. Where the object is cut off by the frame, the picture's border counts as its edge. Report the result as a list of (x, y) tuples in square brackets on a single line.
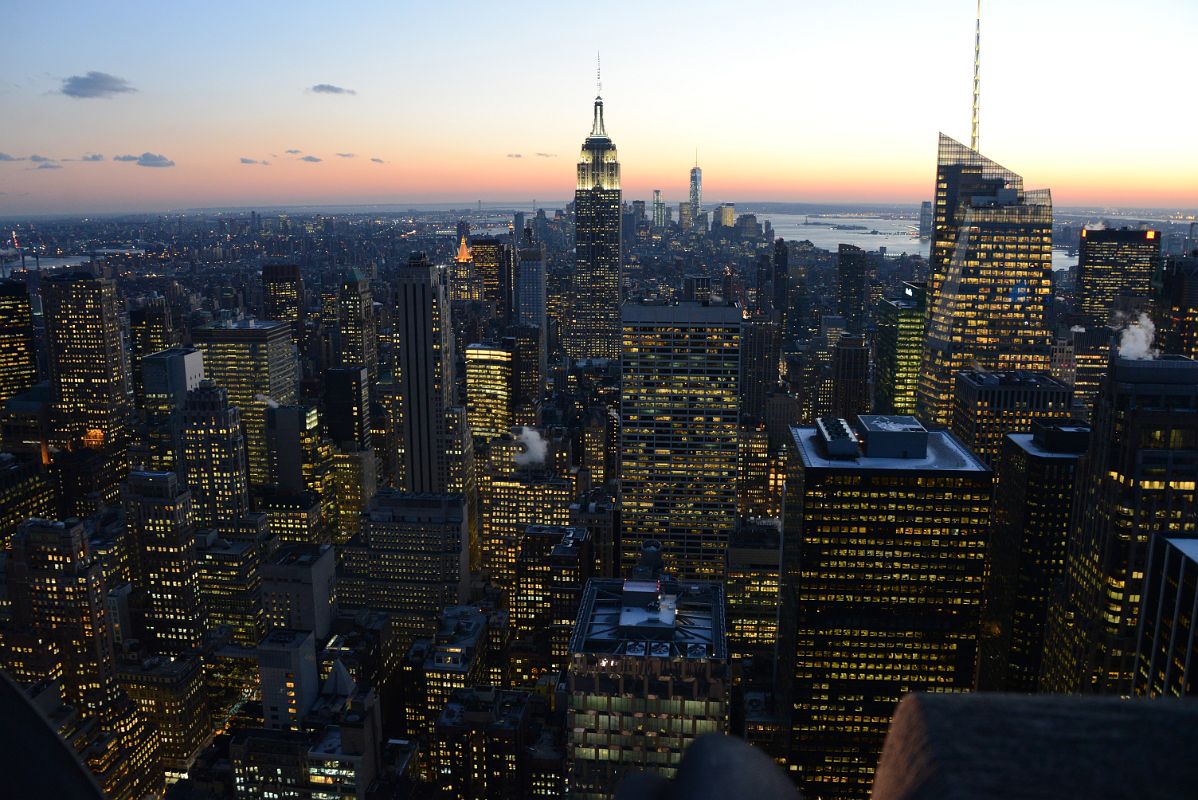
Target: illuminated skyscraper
[(18, 362), (490, 385), (553, 566), (92, 398), (989, 405), (990, 282), (594, 330), (659, 210), (463, 280), (213, 462), (425, 367), (1135, 486), (883, 561), (679, 408), (167, 377), (696, 191), (1167, 648), (359, 334), (898, 345), (283, 296), (255, 362), (1177, 307), (151, 330), (162, 537), (493, 271), (230, 582), (1114, 264)]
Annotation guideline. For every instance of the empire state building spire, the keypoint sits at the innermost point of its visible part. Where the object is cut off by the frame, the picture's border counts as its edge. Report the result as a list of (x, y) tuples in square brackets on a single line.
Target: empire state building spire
[(597, 130)]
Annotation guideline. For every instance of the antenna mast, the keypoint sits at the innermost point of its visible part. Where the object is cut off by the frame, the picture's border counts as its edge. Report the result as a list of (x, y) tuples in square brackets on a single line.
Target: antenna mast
[(977, 64)]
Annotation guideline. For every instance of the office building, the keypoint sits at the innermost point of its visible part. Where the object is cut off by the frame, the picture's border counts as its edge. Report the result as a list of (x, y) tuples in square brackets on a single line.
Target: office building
[(752, 584), (1176, 308), (761, 352), (989, 405), (659, 210), (411, 560), (898, 347), (1167, 648), (1114, 265), (283, 296), (884, 548), (1033, 502), (464, 285), (696, 191), (990, 276), (299, 588), (1135, 485), (647, 673), (357, 326), (425, 369), (852, 269), (288, 677), (490, 390), (679, 409), (18, 359), (169, 692), (530, 298), (493, 271), (89, 378), (25, 491), (850, 377), (347, 407), (593, 330), (553, 565), (213, 463), (230, 584), (161, 534), (254, 362), (152, 329), (167, 377)]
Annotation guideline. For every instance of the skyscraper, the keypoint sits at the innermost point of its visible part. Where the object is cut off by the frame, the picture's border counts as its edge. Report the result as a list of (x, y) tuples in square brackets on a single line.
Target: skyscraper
[(696, 191), (213, 456), (493, 271), (1033, 498), (151, 330), (18, 364), (883, 562), (1167, 647), (990, 282), (850, 377), (255, 362), (167, 377), (898, 345), (162, 535), (989, 405), (1114, 264), (594, 331), (679, 408), (425, 361), (1177, 307), (659, 210), (359, 333), (283, 296), (851, 270), (490, 384), (89, 380), (1135, 486), (347, 407)]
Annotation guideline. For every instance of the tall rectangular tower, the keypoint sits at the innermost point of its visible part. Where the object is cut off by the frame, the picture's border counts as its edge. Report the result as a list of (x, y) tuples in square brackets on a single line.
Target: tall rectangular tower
[(679, 410), (595, 329), (1112, 264)]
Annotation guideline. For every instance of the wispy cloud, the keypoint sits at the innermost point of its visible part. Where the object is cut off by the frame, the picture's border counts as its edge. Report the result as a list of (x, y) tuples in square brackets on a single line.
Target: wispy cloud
[(36, 159), (48, 165), (147, 160), (514, 155), (293, 152), (346, 155), (546, 155), (255, 161), (95, 84), (7, 157), (311, 159), (328, 88), (378, 161), (92, 157)]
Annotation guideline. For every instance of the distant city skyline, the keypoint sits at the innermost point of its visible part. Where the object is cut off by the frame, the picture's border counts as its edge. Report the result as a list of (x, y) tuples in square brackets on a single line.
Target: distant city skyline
[(380, 104)]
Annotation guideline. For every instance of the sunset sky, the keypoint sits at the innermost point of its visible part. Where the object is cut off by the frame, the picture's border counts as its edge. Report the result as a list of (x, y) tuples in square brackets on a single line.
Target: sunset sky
[(799, 100)]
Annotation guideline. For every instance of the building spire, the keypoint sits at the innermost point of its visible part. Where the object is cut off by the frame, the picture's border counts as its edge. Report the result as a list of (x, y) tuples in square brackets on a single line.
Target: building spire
[(977, 64), (597, 128)]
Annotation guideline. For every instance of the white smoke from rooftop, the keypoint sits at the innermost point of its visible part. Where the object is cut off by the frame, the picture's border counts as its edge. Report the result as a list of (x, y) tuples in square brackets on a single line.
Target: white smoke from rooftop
[(535, 447), (267, 401), (1135, 342)]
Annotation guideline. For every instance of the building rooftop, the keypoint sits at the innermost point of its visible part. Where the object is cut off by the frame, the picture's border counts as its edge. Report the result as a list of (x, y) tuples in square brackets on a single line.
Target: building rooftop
[(245, 324), (1187, 547), (680, 313), (1012, 378), (943, 454), (651, 618)]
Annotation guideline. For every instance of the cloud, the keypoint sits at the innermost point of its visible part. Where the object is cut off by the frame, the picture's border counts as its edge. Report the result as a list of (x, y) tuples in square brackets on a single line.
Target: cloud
[(514, 155), (293, 152), (245, 160), (346, 155), (49, 165), (7, 157), (1136, 340), (147, 160), (36, 159), (535, 447), (378, 161), (95, 84), (92, 157), (311, 159), (546, 155), (328, 88)]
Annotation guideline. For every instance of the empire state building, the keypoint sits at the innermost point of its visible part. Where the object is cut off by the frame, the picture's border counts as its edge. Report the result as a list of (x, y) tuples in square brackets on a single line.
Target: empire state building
[(594, 331)]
